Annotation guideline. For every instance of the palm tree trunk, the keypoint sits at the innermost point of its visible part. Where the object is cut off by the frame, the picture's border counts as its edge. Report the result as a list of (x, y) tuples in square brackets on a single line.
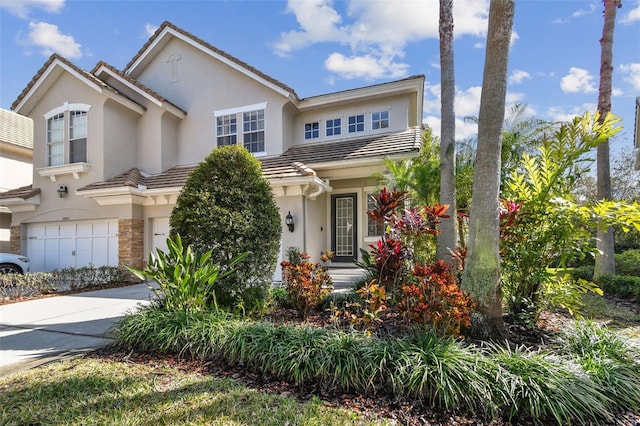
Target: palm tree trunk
[(481, 275), (605, 261), (447, 239)]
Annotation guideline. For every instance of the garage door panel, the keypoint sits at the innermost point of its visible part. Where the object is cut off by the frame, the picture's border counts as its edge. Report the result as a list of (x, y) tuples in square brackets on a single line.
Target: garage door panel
[(72, 244)]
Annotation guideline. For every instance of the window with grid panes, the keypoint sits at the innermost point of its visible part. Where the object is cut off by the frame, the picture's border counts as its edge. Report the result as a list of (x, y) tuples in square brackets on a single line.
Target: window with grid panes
[(333, 127), (227, 130), (380, 120), (312, 130), (356, 123), (374, 228), (253, 130)]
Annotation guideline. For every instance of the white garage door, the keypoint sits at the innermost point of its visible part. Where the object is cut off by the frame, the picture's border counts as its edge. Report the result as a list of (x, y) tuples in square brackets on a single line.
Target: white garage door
[(72, 244)]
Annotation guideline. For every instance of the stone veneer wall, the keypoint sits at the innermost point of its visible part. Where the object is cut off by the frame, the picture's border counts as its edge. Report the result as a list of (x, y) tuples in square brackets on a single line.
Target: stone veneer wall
[(131, 242), (15, 239)]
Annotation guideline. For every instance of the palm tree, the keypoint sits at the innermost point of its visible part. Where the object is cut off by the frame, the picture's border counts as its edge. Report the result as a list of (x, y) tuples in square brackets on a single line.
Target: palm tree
[(481, 276), (447, 240), (605, 262)]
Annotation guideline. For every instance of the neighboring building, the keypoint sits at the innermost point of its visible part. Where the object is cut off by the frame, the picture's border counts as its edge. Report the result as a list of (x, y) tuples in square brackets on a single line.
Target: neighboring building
[(16, 156), (113, 149)]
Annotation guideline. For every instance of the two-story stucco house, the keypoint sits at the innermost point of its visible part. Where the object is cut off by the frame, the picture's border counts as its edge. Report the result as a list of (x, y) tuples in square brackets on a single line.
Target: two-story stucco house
[(113, 149)]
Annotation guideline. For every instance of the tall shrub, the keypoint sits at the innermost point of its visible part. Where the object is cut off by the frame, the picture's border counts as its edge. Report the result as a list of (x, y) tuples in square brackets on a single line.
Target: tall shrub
[(227, 206)]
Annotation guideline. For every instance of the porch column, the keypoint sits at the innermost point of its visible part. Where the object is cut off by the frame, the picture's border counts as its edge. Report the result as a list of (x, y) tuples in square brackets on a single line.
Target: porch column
[(15, 239), (131, 242)]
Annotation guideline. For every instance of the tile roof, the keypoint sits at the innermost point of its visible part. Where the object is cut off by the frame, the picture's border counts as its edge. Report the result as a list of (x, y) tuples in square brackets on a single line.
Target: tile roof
[(133, 82), (41, 71), (293, 163), (407, 142), (24, 192), (167, 24)]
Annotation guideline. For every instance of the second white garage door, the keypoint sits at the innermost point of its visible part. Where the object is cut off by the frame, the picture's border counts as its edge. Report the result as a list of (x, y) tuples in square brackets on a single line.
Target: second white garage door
[(72, 244)]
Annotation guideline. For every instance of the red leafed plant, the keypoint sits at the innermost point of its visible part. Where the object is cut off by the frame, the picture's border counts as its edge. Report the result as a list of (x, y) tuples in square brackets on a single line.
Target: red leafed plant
[(435, 299), (307, 283)]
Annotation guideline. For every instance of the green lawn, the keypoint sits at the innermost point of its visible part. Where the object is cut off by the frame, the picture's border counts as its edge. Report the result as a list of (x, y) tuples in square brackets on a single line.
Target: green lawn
[(86, 391)]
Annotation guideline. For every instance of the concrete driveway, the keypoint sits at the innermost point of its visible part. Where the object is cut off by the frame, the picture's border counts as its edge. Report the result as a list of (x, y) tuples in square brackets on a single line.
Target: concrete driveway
[(38, 331)]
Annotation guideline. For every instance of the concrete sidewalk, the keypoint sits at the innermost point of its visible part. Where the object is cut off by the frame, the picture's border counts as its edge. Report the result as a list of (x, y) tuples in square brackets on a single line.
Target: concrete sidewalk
[(38, 331)]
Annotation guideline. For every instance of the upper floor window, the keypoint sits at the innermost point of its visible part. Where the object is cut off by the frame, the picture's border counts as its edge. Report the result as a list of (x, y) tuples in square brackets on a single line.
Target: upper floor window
[(356, 123), (334, 127), (252, 118), (227, 130), (380, 120), (67, 132), (312, 130), (253, 130)]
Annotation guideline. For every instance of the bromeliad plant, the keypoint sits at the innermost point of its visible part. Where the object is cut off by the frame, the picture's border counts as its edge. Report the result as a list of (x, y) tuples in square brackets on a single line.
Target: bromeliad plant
[(187, 279)]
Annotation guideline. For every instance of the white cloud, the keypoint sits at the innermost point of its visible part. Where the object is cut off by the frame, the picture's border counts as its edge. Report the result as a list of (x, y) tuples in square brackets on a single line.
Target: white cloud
[(632, 16), (617, 92), (49, 39), (518, 76), (557, 113), (150, 29), (577, 14), (464, 130), (367, 66), (22, 8), (374, 33), (578, 81), (631, 74)]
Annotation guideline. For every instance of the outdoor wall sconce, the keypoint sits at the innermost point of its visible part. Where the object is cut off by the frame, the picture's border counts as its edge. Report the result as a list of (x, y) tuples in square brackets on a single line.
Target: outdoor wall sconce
[(289, 222), (62, 191)]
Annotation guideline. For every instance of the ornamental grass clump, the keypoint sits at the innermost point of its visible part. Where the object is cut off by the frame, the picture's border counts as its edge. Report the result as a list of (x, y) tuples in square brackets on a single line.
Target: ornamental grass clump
[(543, 387), (594, 379), (611, 362)]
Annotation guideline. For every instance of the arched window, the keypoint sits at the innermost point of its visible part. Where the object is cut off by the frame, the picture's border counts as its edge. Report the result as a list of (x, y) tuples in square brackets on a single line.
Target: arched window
[(67, 132)]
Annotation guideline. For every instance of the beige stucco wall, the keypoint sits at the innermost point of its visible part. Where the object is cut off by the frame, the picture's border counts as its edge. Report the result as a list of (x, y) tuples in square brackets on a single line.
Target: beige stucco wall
[(119, 141), (204, 85)]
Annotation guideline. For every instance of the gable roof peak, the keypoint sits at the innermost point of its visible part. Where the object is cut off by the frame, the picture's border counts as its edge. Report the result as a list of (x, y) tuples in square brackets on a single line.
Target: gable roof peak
[(169, 28)]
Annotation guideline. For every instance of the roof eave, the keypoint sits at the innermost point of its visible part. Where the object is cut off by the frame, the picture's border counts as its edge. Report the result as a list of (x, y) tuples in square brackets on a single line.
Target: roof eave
[(168, 30)]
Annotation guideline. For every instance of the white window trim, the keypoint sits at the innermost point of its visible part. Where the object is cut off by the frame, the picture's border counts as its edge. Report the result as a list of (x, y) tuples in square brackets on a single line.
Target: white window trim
[(379, 129), (241, 109), (334, 136), (74, 169), (304, 131), (239, 123), (67, 107)]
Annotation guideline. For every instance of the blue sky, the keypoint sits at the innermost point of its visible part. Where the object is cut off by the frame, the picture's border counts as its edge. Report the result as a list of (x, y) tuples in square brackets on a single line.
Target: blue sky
[(322, 46)]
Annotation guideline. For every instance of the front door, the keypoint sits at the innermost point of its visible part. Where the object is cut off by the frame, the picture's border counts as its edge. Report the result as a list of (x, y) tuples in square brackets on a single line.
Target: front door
[(343, 218)]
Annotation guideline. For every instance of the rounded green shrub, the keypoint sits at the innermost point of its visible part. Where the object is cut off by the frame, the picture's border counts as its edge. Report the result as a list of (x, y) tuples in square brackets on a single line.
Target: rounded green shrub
[(628, 263), (227, 206)]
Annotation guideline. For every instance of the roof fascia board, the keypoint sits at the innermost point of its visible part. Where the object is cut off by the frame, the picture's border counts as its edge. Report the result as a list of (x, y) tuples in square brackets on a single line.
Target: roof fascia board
[(345, 164), (45, 75), (155, 101), (57, 63), (195, 44), (395, 87)]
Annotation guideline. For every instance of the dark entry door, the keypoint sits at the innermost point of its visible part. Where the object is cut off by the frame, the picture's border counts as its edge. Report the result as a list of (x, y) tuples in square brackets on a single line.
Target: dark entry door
[(344, 220)]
